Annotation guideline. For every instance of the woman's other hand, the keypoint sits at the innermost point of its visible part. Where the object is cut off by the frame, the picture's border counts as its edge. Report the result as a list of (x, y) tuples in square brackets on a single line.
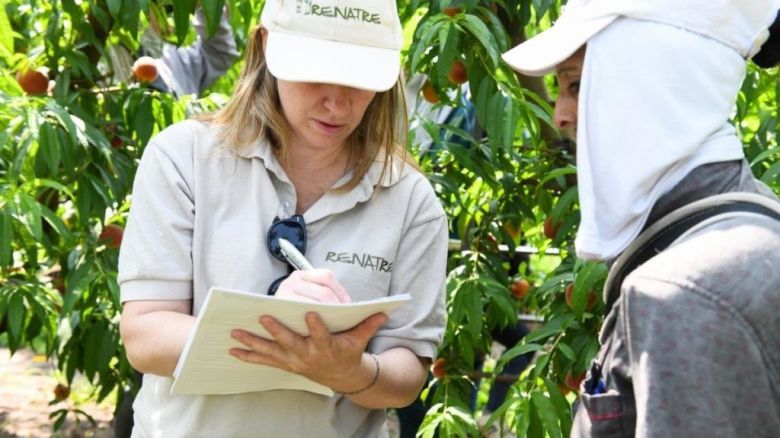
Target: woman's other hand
[(335, 360)]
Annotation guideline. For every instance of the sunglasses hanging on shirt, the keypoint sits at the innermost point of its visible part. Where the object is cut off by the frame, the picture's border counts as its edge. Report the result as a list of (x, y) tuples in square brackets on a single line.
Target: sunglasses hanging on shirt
[(292, 229)]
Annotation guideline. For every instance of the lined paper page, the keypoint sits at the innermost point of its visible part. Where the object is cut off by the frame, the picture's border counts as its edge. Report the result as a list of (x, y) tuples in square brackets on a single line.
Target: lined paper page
[(205, 367)]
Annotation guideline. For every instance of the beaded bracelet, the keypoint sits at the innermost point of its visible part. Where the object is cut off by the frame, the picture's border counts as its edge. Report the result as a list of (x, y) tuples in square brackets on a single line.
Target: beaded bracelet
[(373, 381)]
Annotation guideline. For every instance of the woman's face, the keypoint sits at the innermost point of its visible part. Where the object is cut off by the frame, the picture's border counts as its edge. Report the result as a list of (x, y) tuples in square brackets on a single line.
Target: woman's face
[(322, 116)]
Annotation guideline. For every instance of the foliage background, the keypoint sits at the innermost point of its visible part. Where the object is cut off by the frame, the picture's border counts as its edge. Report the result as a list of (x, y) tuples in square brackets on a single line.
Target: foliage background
[(68, 157)]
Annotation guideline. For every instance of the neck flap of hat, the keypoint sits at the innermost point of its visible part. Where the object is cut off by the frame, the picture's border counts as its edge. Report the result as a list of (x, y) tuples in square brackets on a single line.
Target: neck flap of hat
[(654, 103)]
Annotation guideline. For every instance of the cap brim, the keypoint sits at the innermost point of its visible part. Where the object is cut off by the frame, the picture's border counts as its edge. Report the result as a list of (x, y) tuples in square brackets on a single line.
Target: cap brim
[(541, 54), (300, 58)]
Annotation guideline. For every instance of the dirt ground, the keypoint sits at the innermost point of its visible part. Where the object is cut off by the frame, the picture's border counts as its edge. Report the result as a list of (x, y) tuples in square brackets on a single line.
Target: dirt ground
[(27, 383)]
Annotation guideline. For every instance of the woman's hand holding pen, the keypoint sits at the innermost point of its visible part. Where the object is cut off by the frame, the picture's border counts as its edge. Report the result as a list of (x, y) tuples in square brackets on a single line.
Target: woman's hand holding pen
[(313, 285), (336, 360)]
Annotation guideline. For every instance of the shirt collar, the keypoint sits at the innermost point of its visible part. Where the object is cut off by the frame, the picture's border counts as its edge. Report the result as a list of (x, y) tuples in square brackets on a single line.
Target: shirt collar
[(333, 202)]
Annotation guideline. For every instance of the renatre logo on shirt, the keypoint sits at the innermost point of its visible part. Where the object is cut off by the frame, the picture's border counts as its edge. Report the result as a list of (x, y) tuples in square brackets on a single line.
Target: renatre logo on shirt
[(365, 261), (309, 7)]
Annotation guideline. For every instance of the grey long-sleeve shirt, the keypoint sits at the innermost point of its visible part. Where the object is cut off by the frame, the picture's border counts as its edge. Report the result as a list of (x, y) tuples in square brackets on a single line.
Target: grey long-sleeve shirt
[(692, 347)]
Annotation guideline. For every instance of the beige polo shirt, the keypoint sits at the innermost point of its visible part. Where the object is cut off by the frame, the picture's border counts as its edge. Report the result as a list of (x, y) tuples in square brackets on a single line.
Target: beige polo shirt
[(199, 218)]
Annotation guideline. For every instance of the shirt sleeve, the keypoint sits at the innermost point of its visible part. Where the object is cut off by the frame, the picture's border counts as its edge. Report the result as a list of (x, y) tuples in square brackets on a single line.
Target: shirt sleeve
[(155, 260), (420, 270), (195, 67)]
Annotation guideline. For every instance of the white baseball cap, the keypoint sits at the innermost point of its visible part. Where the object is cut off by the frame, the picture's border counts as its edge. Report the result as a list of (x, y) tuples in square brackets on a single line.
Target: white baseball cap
[(739, 24), (356, 43)]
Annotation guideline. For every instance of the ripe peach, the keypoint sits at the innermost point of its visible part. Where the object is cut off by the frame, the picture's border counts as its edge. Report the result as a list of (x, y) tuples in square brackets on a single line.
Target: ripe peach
[(61, 392), (458, 74), (573, 381), (438, 369), (429, 93), (116, 142), (57, 282), (33, 82), (112, 235), (451, 11), (520, 288), (145, 69), (512, 229), (550, 229)]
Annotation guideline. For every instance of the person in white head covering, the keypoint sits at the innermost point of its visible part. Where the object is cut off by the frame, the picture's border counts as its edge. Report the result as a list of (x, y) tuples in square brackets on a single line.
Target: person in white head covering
[(690, 344), (311, 148)]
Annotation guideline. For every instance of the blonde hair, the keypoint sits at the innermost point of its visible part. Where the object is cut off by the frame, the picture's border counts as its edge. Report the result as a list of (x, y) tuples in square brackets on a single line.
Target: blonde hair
[(254, 111)]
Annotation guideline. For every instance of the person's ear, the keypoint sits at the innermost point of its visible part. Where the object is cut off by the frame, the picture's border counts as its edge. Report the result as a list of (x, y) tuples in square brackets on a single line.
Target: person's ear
[(264, 37)]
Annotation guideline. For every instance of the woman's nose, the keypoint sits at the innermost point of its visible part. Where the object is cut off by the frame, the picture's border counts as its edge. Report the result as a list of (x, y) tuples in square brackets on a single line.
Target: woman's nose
[(336, 98)]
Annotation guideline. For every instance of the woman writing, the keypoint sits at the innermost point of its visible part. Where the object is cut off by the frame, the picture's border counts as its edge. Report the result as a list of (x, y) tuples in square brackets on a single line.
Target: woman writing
[(309, 148)]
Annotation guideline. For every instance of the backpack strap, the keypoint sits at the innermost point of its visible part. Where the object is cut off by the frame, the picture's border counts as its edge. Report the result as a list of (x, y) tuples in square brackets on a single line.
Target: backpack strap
[(669, 228)]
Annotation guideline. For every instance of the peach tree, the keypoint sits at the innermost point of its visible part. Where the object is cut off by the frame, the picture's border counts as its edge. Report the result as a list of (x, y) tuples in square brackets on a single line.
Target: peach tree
[(73, 127)]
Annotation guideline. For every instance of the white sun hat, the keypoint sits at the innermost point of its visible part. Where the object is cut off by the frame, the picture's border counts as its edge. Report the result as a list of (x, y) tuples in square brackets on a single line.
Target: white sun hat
[(356, 43), (739, 24)]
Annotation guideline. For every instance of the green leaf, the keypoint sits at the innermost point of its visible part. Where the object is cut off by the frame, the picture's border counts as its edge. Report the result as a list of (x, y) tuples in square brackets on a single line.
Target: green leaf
[(15, 316), (6, 31), (541, 7), (81, 63), (182, 9), (212, 10), (546, 412), (561, 171), (473, 305), (431, 422), (517, 350), (524, 418), (550, 328), (589, 276), (114, 6), (5, 238), (771, 175), (68, 122), (764, 155), (56, 223), (43, 182), (535, 429), (130, 15), (425, 34), (30, 212), (540, 367), (448, 51), (62, 415), (564, 203), (477, 28), (562, 407), (567, 351), (143, 121), (49, 147)]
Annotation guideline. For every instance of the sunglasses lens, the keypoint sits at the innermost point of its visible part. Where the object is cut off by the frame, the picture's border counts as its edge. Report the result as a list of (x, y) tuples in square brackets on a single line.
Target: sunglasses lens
[(292, 229)]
